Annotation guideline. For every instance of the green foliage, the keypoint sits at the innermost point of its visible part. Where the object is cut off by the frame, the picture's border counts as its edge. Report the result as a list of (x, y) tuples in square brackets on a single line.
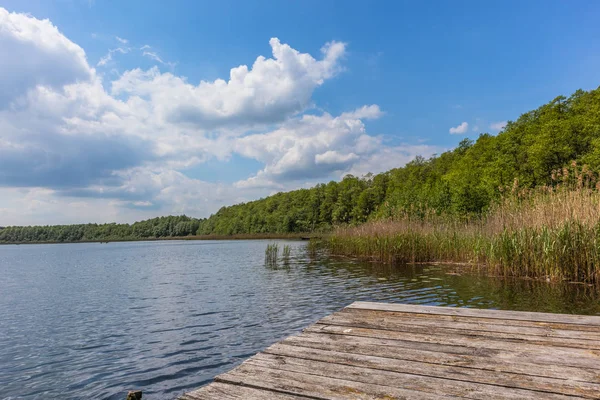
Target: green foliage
[(462, 182), (162, 227)]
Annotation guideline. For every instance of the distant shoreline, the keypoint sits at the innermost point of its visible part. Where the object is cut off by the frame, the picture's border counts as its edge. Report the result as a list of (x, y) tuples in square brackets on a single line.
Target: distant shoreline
[(258, 236)]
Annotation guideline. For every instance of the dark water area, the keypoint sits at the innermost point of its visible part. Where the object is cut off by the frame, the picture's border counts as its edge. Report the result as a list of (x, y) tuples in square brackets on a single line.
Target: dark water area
[(94, 320)]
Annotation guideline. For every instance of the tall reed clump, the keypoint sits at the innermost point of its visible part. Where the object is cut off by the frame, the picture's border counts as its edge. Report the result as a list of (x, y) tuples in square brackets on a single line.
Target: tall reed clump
[(551, 232), (313, 247), (271, 253)]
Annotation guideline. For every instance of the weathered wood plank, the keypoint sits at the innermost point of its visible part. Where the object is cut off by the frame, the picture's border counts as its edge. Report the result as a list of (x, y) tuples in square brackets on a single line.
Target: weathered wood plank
[(470, 312), (466, 374), (546, 329), (318, 387), (534, 353), (389, 379), (223, 391), (397, 351), (432, 353), (532, 335), (591, 330)]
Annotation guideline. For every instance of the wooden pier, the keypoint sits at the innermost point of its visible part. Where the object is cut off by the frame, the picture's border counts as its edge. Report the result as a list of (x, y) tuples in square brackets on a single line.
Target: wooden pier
[(397, 351)]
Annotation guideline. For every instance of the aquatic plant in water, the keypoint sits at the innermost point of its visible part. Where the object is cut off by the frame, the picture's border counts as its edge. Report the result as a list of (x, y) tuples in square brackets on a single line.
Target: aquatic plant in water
[(287, 250), (271, 254)]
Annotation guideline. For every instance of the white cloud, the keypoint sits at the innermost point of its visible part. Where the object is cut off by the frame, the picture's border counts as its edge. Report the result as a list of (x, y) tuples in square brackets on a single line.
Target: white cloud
[(386, 158), (124, 41), (70, 151), (365, 112), (108, 57), (271, 90), (317, 147), (498, 126), (35, 53), (333, 157), (460, 129), (154, 56)]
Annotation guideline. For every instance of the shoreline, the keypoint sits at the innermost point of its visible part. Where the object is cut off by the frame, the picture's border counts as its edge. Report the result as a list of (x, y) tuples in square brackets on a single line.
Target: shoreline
[(274, 236)]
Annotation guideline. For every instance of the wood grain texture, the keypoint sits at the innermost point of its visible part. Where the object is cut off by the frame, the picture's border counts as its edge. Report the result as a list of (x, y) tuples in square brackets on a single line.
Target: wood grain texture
[(454, 372), (470, 357), (471, 312), (318, 387), (535, 353), (384, 378), (520, 328), (218, 390), (397, 351)]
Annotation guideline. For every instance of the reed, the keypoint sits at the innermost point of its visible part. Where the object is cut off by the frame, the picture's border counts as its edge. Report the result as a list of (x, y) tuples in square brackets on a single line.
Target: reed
[(287, 250), (313, 247), (271, 254), (551, 232)]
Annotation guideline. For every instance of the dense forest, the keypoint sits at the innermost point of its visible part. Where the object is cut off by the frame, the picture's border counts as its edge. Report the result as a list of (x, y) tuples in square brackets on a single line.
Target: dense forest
[(161, 227), (463, 181)]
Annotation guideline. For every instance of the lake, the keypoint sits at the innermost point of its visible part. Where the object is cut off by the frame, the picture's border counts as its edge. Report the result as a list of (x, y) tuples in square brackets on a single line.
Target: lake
[(93, 320)]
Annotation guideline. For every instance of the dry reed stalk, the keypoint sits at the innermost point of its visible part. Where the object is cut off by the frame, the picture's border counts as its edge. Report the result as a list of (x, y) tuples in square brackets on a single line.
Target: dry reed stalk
[(551, 232)]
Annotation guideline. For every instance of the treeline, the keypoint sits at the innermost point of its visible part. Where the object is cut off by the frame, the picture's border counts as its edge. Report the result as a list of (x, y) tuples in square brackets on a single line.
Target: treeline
[(463, 181), (162, 227)]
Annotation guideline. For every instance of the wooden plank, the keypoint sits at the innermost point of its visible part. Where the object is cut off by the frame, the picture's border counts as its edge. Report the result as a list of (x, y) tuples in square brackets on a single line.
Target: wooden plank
[(397, 351), (469, 312), (534, 353), (504, 325), (432, 353), (318, 387), (388, 379), (467, 374), (223, 391), (365, 319)]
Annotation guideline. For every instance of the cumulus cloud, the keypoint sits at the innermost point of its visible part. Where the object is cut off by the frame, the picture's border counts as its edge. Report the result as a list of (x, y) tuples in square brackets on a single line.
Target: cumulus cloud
[(498, 126), (269, 91), (309, 147), (61, 161), (58, 131), (333, 157), (70, 148), (34, 52), (460, 129)]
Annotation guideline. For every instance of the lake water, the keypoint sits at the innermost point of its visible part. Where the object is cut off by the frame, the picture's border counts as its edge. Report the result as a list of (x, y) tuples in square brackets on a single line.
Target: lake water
[(94, 320)]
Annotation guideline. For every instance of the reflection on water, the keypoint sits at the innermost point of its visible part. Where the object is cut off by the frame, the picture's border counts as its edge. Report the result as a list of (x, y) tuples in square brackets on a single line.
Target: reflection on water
[(94, 320)]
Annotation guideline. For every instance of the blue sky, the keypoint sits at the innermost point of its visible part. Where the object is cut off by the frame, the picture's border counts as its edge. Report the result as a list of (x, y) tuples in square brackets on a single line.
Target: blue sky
[(105, 117)]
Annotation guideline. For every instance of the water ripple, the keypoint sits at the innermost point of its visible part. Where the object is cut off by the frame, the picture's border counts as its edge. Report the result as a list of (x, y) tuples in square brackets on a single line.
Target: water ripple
[(93, 321)]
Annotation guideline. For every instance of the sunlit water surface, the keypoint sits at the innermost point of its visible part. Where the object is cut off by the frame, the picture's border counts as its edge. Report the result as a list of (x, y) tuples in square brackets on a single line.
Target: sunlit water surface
[(94, 320)]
